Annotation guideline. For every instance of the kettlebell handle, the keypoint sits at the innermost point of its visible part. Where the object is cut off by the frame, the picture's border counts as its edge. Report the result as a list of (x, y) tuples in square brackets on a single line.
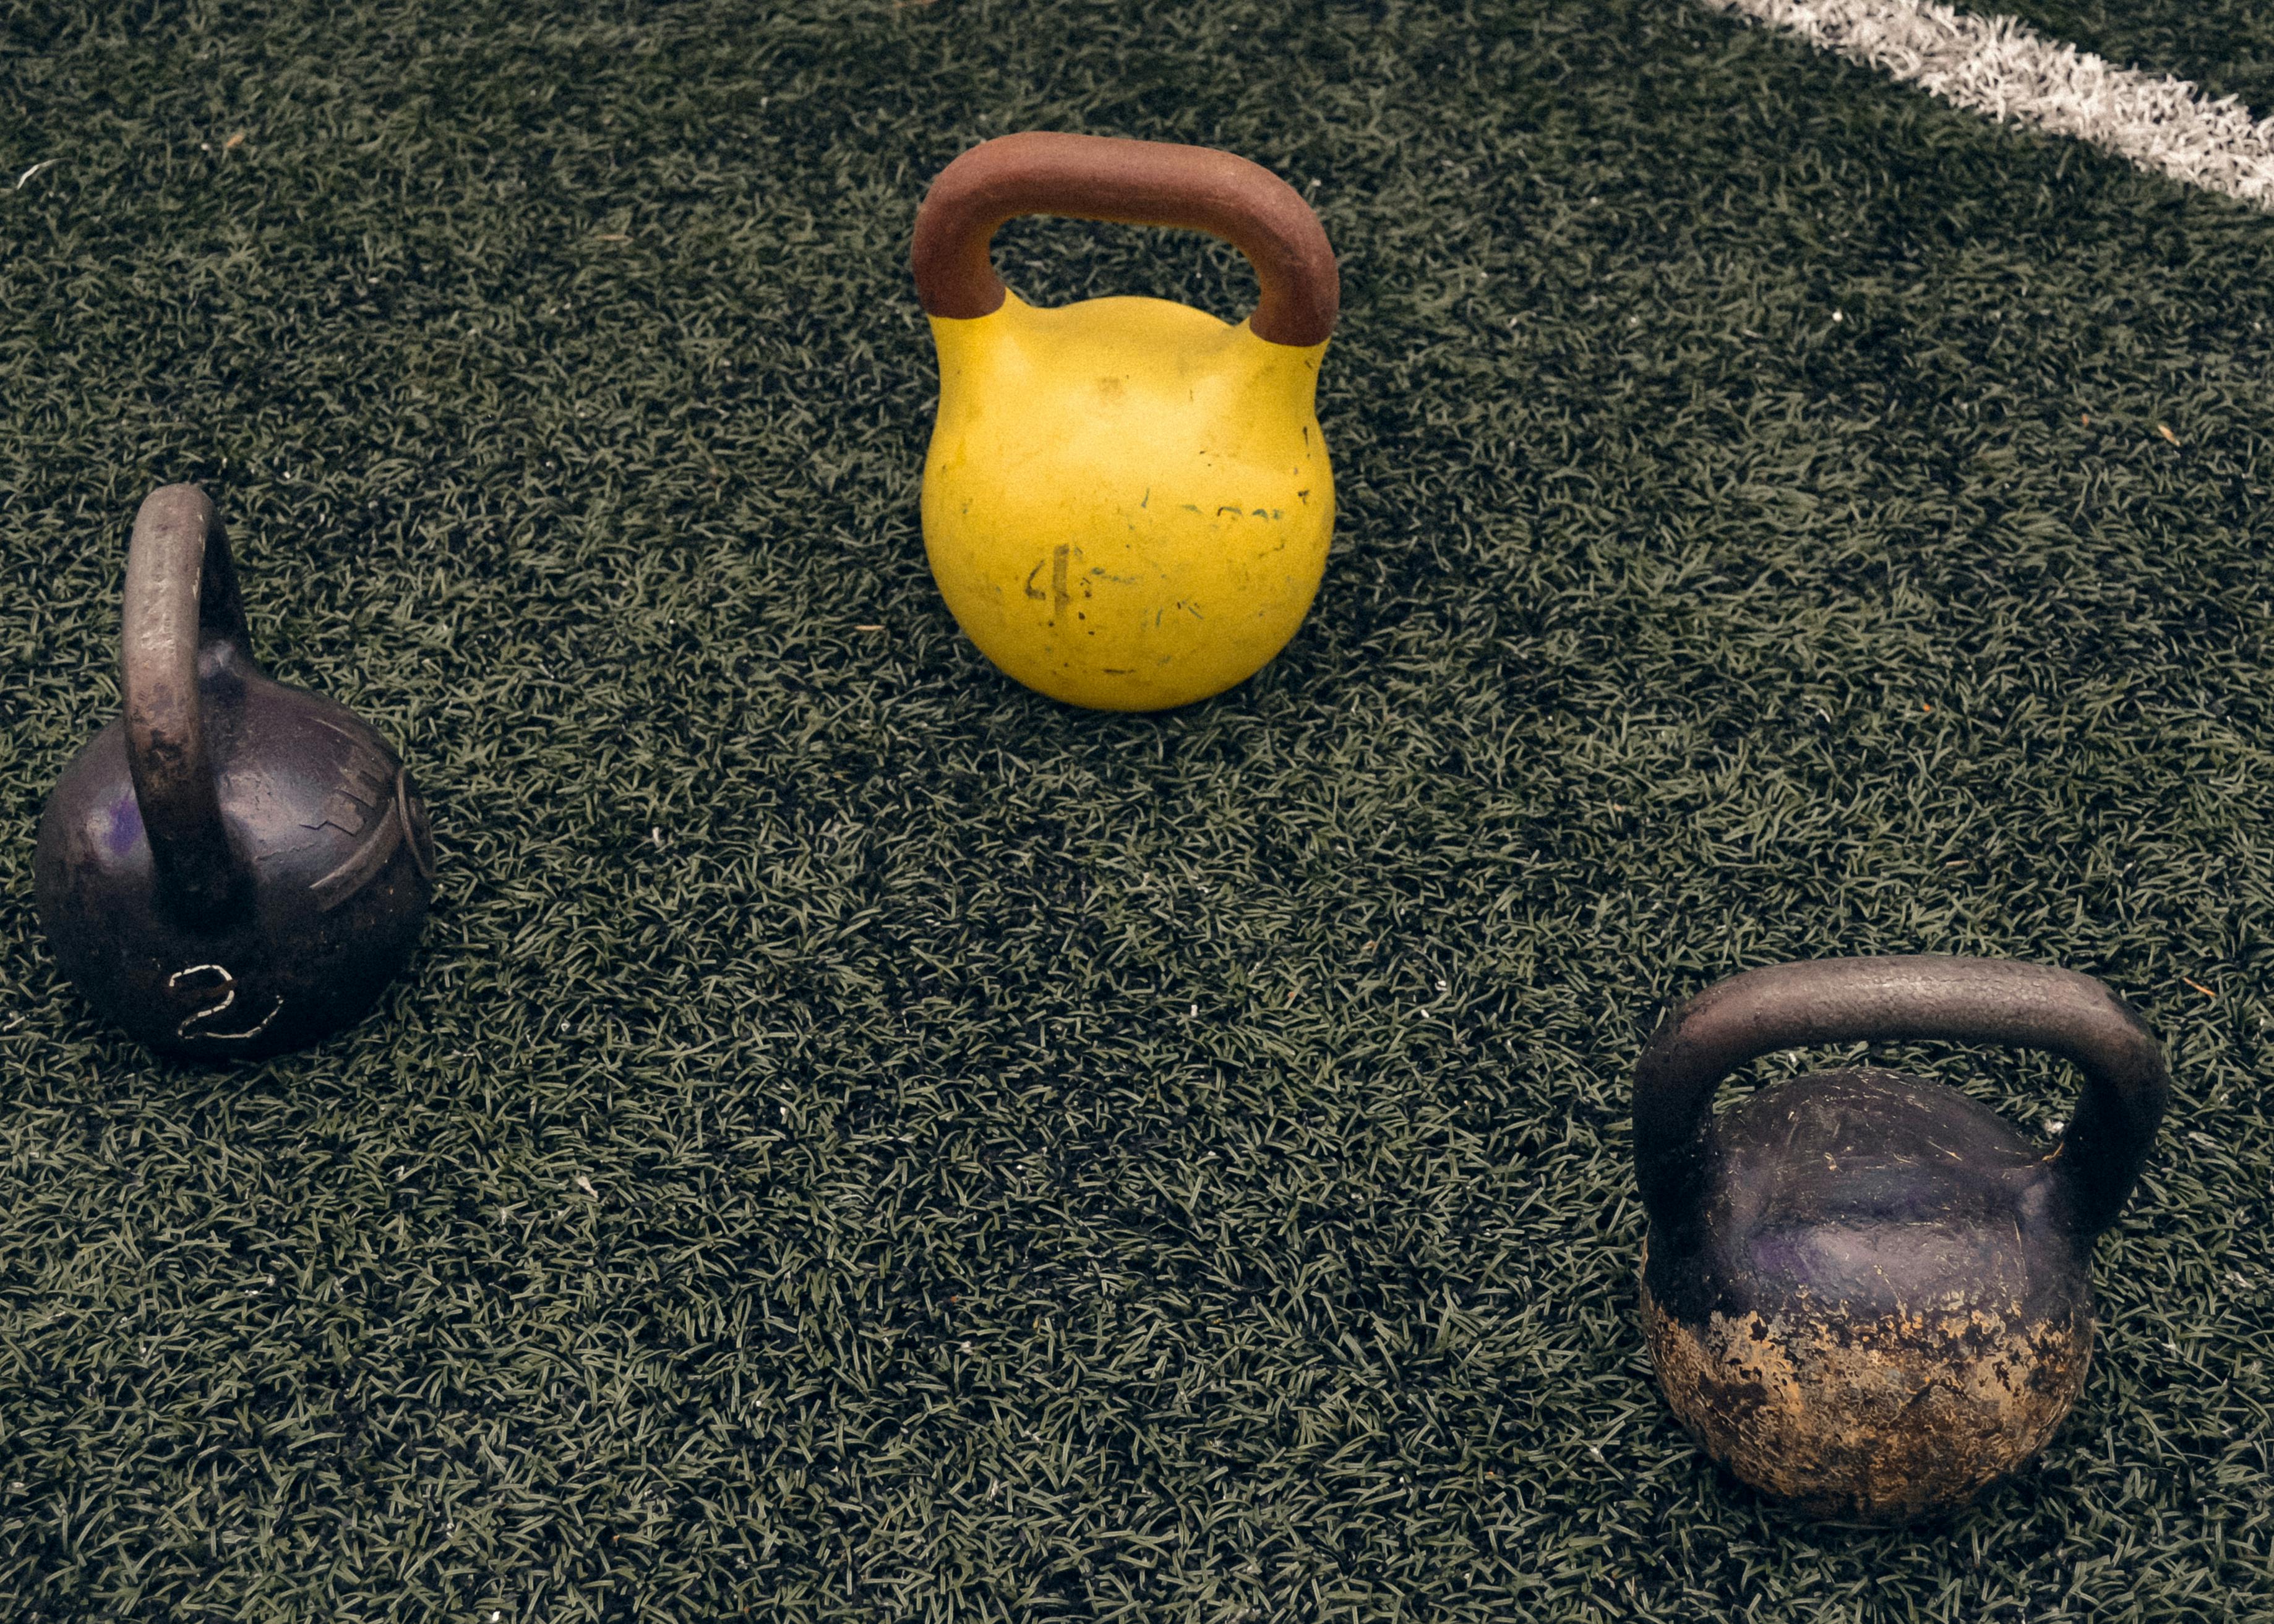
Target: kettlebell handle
[(1133, 182), (1866, 1000), (180, 600)]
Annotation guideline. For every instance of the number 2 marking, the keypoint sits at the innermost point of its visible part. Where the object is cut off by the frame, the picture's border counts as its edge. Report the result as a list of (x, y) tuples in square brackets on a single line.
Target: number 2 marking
[(226, 985)]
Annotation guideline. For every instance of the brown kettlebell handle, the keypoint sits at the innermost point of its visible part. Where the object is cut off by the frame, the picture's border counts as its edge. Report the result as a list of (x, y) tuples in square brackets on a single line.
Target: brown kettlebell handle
[(181, 600), (1871, 1000), (1133, 182)]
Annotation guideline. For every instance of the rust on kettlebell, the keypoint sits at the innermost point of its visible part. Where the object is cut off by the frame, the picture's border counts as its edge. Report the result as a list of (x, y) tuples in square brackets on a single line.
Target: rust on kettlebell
[(1880, 1419)]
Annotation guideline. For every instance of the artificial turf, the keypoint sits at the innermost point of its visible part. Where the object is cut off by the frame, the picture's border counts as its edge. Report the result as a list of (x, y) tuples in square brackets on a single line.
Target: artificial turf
[(862, 1140)]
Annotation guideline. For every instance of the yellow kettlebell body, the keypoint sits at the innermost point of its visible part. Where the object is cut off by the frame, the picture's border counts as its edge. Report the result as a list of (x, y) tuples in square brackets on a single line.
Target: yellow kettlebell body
[(1127, 502)]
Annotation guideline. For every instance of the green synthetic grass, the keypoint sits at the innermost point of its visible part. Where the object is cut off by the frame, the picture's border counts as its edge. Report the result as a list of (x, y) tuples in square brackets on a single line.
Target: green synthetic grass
[(863, 1141)]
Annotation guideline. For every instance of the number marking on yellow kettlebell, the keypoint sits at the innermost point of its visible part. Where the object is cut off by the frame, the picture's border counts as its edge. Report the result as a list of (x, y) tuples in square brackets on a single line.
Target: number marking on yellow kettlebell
[(1127, 502)]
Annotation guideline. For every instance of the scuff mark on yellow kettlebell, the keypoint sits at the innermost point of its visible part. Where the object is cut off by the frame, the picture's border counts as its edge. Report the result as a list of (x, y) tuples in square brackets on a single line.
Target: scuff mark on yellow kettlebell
[(1059, 594)]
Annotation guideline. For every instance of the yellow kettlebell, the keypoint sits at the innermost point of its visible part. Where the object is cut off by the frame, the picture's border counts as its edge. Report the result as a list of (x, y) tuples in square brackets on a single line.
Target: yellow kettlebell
[(1127, 501)]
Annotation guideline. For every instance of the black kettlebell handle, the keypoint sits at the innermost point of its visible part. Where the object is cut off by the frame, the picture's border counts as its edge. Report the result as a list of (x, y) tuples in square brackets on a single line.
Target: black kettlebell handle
[(1866, 1000), (181, 601)]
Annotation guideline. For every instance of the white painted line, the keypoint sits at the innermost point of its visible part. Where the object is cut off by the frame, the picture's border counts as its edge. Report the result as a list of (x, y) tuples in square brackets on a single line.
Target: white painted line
[(2007, 69)]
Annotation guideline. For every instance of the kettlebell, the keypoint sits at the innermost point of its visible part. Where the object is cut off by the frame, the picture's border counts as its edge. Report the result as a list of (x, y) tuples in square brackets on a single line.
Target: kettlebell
[(234, 866), (1864, 1293), (1127, 501)]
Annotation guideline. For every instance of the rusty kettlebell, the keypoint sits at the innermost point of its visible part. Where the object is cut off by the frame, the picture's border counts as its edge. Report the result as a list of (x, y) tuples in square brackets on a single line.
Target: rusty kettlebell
[(235, 867), (1863, 1292)]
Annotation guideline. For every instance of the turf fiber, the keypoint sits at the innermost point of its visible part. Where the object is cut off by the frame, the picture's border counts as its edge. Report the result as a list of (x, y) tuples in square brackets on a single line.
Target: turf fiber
[(864, 1141)]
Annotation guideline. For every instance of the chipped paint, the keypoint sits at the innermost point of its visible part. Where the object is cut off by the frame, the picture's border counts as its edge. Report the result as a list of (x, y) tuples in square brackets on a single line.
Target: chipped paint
[(1885, 1418)]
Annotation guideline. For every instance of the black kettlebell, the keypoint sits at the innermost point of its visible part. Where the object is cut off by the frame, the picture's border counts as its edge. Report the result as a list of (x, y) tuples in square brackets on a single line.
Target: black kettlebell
[(1863, 1292), (235, 867)]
